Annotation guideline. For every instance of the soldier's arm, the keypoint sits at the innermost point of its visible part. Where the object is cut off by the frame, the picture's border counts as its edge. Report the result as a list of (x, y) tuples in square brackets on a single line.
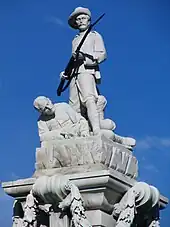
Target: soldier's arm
[(45, 134), (99, 48), (99, 51), (42, 128)]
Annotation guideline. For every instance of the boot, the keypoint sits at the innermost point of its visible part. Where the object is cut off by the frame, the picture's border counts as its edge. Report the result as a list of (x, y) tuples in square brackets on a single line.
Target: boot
[(126, 141)]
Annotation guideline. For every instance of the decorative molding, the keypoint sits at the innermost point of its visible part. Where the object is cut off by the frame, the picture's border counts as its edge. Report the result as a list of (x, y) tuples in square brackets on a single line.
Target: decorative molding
[(139, 201), (66, 195), (30, 211), (75, 202)]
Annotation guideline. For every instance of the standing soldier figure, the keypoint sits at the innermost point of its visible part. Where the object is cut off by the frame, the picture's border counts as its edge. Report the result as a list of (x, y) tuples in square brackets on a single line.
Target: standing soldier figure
[(83, 92)]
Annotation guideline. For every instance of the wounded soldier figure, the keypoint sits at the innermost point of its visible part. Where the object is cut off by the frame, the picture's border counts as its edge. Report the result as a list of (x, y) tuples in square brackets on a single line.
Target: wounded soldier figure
[(59, 120)]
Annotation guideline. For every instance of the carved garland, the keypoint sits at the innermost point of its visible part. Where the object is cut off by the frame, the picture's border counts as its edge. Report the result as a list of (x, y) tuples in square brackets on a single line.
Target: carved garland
[(139, 201)]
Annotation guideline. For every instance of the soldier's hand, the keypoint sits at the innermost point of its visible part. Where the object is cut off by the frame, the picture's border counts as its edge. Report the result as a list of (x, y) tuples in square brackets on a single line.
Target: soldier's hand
[(63, 76), (85, 134), (67, 135)]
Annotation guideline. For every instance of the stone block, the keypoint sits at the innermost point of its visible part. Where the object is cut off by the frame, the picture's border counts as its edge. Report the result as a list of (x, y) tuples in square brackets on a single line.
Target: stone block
[(86, 151)]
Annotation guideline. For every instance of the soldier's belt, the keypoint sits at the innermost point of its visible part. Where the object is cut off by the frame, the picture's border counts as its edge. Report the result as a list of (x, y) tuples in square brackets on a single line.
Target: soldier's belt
[(90, 67)]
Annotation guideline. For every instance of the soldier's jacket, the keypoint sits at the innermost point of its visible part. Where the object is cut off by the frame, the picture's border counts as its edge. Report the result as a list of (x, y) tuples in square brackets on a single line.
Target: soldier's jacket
[(93, 47), (65, 120)]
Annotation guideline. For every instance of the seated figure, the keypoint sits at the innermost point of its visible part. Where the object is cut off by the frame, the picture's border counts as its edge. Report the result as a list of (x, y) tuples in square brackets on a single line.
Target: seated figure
[(59, 120), (107, 126)]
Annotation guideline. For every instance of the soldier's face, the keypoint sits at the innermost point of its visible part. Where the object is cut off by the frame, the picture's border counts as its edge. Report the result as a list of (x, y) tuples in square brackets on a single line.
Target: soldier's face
[(83, 22), (48, 109)]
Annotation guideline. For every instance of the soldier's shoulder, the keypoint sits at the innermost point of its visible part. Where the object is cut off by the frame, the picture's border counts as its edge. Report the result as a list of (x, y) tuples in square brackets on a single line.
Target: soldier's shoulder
[(59, 105), (56, 104), (94, 33), (75, 37), (62, 104)]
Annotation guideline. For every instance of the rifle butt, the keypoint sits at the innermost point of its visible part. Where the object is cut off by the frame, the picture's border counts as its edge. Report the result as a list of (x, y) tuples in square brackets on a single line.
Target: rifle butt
[(60, 87)]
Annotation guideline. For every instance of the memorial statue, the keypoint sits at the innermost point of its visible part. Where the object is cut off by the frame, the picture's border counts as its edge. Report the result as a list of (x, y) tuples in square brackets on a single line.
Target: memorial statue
[(85, 174), (83, 91), (59, 120)]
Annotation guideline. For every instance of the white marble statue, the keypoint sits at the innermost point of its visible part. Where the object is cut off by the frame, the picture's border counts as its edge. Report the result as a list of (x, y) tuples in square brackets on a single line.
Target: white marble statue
[(83, 90), (59, 120)]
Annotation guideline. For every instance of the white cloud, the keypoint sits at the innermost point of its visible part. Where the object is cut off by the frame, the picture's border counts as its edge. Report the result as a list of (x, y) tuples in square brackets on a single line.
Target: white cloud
[(151, 168), (56, 20), (165, 142), (150, 150), (150, 142)]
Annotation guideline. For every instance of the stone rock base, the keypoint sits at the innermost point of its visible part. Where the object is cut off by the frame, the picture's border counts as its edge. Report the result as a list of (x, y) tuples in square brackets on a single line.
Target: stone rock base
[(88, 151)]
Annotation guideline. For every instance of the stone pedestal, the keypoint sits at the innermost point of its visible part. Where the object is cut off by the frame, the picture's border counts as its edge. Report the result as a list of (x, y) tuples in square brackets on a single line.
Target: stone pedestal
[(103, 171), (100, 190), (54, 155)]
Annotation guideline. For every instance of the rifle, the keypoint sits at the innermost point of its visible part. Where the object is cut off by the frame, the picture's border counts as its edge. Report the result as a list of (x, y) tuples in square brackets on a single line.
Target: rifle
[(72, 64)]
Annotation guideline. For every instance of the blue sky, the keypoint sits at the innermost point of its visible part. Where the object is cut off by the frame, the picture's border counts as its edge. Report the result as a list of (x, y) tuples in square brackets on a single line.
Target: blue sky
[(35, 45)]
